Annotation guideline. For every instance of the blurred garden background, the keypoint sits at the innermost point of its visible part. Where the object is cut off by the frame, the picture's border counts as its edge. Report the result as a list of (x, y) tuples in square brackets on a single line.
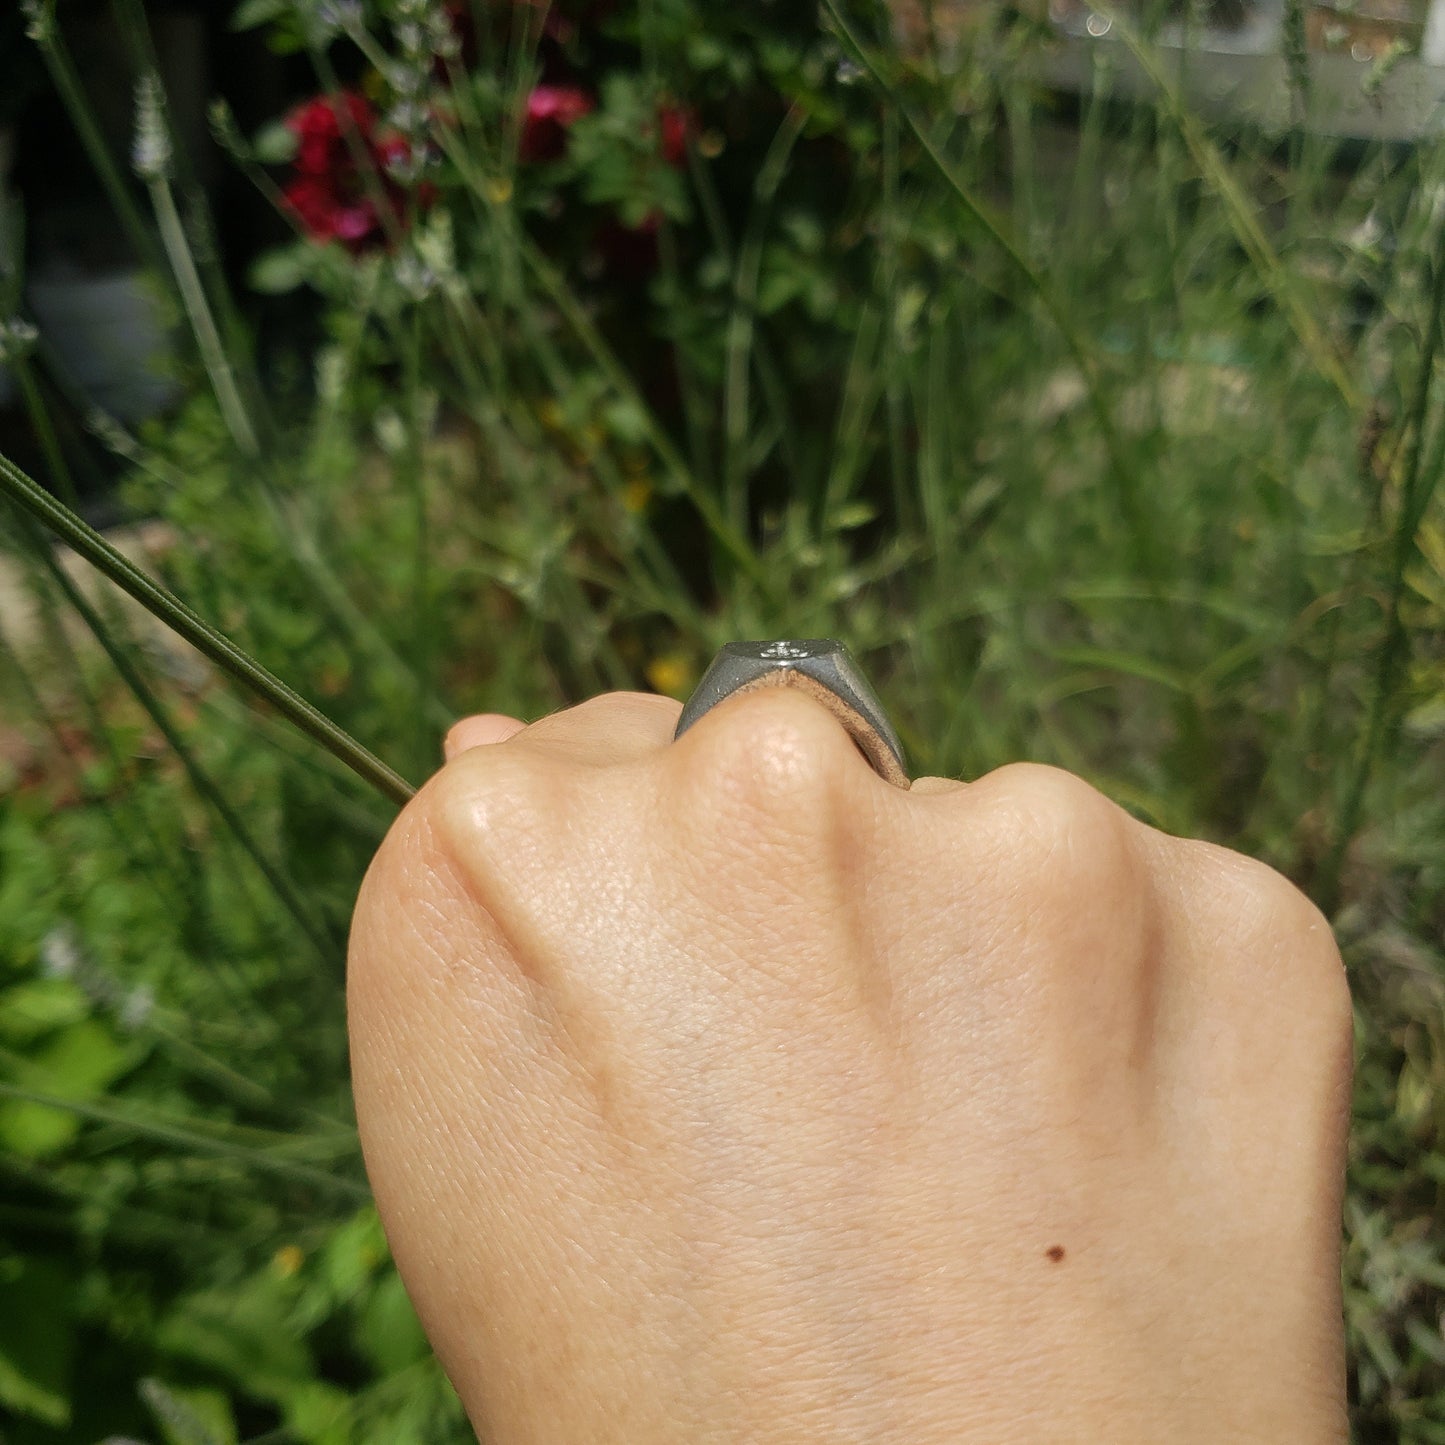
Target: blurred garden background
[(1079, 367)]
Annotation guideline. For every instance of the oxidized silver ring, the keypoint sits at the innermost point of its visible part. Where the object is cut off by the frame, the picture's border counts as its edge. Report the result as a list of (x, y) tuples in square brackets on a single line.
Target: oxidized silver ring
[(818, 666)]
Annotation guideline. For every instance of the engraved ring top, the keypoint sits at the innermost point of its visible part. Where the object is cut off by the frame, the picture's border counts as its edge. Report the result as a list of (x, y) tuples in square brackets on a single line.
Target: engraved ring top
[(819, 666)]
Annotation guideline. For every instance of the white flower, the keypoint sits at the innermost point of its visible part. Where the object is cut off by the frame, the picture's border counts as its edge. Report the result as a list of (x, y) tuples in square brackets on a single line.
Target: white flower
[(136, 1007), (150, 155), (59, 953)]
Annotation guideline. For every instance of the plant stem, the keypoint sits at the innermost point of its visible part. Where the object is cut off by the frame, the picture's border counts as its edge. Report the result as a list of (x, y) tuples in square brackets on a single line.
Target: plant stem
[(203, 324), (733, 542), (1126, 479), (904, 505), (423, 621), (162, 1131), (200, 779), (741, 323), (1416, 487), (118, 192), (85, 540), (1302, 312), (39, 415)]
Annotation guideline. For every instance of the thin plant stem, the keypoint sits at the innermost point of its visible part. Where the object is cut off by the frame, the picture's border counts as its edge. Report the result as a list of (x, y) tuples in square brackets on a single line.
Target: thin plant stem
[(50, 446), (903, 495), (169, 609), (424, 632), (203, 324), (255, 1156), (200, 779), (155, 867), (857, 403), (1244, 220), (744, 311), (733, 542), (1126, 479), (118, 192), (1416, 487), (132, 18)]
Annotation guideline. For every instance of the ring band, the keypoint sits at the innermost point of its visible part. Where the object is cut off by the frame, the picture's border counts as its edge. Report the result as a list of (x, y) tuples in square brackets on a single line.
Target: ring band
[(818, 666)]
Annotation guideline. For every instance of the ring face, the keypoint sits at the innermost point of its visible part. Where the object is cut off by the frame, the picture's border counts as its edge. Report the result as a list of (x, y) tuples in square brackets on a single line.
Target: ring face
[(819, 666)]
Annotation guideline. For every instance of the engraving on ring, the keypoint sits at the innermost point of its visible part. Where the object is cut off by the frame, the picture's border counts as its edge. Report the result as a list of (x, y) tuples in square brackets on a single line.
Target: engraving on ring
[(818, 666)]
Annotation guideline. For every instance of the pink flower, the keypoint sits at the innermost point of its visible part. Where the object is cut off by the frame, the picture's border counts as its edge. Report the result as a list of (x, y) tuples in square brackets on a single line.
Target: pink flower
[(552, 110)]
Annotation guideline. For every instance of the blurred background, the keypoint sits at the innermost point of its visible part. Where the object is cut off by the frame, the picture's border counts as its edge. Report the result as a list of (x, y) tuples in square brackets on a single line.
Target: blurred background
[(1078, 367)]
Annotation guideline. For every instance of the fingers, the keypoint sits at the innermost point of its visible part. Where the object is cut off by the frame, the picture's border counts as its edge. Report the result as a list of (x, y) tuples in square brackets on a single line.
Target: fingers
[(478, 732), (614, 728)]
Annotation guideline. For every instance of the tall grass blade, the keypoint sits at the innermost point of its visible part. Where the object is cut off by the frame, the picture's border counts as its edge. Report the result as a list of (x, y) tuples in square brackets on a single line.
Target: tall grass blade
[(1128, 483), (1246, 225), (29, 495), (1416, 489), (188, 1137), (200, 779)]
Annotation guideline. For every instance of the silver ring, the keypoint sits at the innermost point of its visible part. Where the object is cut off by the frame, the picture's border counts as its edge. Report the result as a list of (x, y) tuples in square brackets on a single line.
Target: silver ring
[(818, 666)]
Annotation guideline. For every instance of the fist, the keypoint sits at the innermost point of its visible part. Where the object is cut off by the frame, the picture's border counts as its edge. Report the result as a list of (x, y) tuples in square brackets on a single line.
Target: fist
[(717, 1090)]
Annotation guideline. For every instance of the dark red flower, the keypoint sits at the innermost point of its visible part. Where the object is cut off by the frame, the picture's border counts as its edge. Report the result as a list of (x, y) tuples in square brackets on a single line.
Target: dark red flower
[(327, 215), (326, 128), (552, 110), (674, 125), (346, 186)]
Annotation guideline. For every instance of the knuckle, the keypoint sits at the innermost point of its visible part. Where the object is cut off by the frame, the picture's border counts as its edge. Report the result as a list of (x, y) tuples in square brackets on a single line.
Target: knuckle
[(403, 896), (1269, 907), (479, 809), (1279, 927), (767, 751), (1066, 837)]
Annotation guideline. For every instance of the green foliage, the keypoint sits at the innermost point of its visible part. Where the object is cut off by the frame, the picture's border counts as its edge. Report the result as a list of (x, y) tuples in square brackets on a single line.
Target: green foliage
[(1106, 438)]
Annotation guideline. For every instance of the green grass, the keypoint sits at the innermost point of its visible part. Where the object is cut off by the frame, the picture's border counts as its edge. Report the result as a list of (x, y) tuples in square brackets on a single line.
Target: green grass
[(1104, 437)]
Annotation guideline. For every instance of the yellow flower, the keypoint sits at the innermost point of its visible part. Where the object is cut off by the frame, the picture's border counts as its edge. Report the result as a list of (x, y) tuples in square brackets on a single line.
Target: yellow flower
[(287, 1260), (671, 673), (636, 494)]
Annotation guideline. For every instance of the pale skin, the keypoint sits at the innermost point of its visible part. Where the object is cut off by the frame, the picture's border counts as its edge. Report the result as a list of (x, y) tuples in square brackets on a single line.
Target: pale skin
[(717, 1091)]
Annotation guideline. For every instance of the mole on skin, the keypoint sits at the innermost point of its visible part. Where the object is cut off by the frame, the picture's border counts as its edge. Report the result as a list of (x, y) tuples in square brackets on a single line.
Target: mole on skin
[(1055, 1252)]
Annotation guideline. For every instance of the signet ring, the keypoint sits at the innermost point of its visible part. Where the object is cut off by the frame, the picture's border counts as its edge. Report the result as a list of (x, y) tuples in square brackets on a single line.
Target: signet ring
[(818, 666)]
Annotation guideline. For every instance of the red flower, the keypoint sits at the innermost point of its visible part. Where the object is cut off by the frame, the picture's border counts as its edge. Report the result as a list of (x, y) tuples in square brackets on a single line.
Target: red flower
[(332, 197), (552, 110), (325, 128), (325, 215), (675, 125)]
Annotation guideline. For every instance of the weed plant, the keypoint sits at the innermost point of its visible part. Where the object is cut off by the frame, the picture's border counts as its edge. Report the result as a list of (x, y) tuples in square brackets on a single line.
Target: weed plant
[(1104, 436)]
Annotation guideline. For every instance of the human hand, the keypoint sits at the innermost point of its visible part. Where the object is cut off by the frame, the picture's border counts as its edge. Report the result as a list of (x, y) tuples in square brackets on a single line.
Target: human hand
[(718, 1091)]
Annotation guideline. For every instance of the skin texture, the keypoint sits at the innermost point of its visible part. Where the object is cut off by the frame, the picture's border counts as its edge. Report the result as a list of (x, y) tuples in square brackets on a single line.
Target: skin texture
[(718, 1091)]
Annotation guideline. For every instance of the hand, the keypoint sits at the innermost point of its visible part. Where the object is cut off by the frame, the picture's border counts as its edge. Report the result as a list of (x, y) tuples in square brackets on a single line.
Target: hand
[(718, 1091)]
